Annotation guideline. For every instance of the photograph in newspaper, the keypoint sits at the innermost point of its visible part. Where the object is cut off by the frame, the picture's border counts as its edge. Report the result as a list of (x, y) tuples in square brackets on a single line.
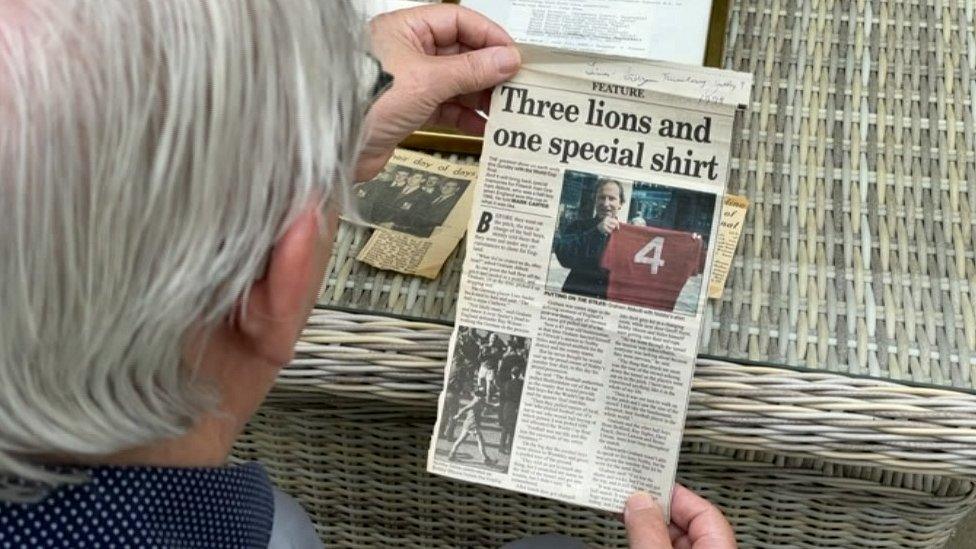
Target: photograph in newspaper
[(481, 400), (408, 200), (419, 205), (631, 242)]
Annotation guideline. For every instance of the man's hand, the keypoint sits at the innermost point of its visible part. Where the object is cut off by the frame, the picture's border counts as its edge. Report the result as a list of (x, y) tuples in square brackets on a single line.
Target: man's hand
[(444, 59), (608, 224), (695, 523)]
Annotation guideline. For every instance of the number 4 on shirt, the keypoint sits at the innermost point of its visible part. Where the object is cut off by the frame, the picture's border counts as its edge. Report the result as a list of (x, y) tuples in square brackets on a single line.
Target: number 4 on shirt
[(641, 270), (651, 253)]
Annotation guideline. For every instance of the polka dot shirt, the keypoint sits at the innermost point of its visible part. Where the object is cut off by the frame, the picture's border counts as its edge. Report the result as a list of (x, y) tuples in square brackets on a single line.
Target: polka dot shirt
[(148, 507)]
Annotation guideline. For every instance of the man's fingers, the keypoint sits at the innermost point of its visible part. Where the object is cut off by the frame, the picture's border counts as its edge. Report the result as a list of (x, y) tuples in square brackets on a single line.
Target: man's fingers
[(453, 49), (674, 532), (470, 100), (687, 506), (473, 71), (460, 117), (448, 24), (702, 520), (645, 523), (475, 101)]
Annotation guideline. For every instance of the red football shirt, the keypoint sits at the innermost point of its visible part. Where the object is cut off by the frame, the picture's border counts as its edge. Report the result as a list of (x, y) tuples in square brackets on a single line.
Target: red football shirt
[(649, 266)]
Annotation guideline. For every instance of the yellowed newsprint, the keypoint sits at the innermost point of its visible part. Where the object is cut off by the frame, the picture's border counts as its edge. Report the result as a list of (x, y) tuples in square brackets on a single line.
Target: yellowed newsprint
[(592, 238), (733, 215), (419, 206)]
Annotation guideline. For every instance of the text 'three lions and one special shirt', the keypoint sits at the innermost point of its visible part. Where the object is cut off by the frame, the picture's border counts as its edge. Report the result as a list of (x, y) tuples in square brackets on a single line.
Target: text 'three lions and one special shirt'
[(649, 266)]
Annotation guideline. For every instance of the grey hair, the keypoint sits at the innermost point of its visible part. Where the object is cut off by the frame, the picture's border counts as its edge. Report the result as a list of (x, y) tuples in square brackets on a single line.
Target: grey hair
[(151, 153)]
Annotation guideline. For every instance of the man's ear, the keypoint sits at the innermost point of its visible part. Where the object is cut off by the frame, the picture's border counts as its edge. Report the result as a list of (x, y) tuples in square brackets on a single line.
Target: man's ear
[(272, 317)]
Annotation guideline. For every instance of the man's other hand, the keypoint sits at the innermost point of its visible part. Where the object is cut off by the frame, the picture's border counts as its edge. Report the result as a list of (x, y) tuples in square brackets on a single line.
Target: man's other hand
[(445, 60), (695, 523), (608, 224)]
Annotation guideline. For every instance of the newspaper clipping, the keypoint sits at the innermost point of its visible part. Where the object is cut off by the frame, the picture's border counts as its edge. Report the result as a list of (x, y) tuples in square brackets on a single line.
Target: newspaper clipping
[(594, 226), (733, 216), (420, 206)]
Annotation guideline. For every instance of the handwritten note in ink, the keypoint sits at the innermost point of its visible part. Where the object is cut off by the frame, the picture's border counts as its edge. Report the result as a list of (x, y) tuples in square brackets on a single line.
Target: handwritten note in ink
[(701, 84)]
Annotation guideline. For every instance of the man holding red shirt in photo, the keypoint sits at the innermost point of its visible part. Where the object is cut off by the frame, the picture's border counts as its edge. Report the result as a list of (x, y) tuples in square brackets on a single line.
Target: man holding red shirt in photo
[(579, 246), (626, 263)]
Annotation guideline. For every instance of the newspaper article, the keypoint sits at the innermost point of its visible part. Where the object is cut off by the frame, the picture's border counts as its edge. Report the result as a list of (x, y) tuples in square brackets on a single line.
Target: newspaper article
[(733, 216), (420, 206), (670, 30), (593, 228)]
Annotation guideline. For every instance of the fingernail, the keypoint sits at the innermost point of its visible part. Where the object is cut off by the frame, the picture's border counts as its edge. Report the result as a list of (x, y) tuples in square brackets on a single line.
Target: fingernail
[(638, 502), (507, 60)]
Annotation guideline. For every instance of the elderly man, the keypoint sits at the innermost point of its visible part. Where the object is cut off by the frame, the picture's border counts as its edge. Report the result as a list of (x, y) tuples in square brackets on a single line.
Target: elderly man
[(172, 172)]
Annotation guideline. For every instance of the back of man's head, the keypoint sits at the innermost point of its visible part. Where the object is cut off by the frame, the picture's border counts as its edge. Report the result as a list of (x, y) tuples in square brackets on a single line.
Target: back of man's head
[(151, 153)]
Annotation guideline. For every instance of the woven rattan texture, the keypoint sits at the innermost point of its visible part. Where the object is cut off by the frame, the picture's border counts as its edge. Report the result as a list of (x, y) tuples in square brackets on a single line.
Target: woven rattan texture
[(358, 467), (859, 422), (857, 153), (858, 156)]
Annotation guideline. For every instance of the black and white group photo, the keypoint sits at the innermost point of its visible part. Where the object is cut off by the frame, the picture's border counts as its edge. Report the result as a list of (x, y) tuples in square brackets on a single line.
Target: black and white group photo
[(408, 200), (482, 398)]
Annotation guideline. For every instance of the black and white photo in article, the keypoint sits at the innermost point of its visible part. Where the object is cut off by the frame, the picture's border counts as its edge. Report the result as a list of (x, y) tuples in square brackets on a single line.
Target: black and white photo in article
[(408, 200), (482, 398)]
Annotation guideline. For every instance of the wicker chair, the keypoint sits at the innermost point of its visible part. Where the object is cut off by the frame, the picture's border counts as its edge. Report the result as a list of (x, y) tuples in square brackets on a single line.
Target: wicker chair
[(795, 459), (843, 413)]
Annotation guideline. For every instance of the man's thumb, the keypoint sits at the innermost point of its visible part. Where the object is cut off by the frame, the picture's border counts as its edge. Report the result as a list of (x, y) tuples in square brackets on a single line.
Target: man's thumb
[(646, 528), (478, 70)]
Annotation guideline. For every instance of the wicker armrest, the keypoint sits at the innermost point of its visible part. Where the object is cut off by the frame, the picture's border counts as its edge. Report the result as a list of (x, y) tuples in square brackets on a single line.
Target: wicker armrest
[(845, 420), (794, 458)]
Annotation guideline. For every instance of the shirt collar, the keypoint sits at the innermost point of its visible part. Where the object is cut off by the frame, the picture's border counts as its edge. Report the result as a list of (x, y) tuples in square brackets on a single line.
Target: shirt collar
[(229, 506)]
